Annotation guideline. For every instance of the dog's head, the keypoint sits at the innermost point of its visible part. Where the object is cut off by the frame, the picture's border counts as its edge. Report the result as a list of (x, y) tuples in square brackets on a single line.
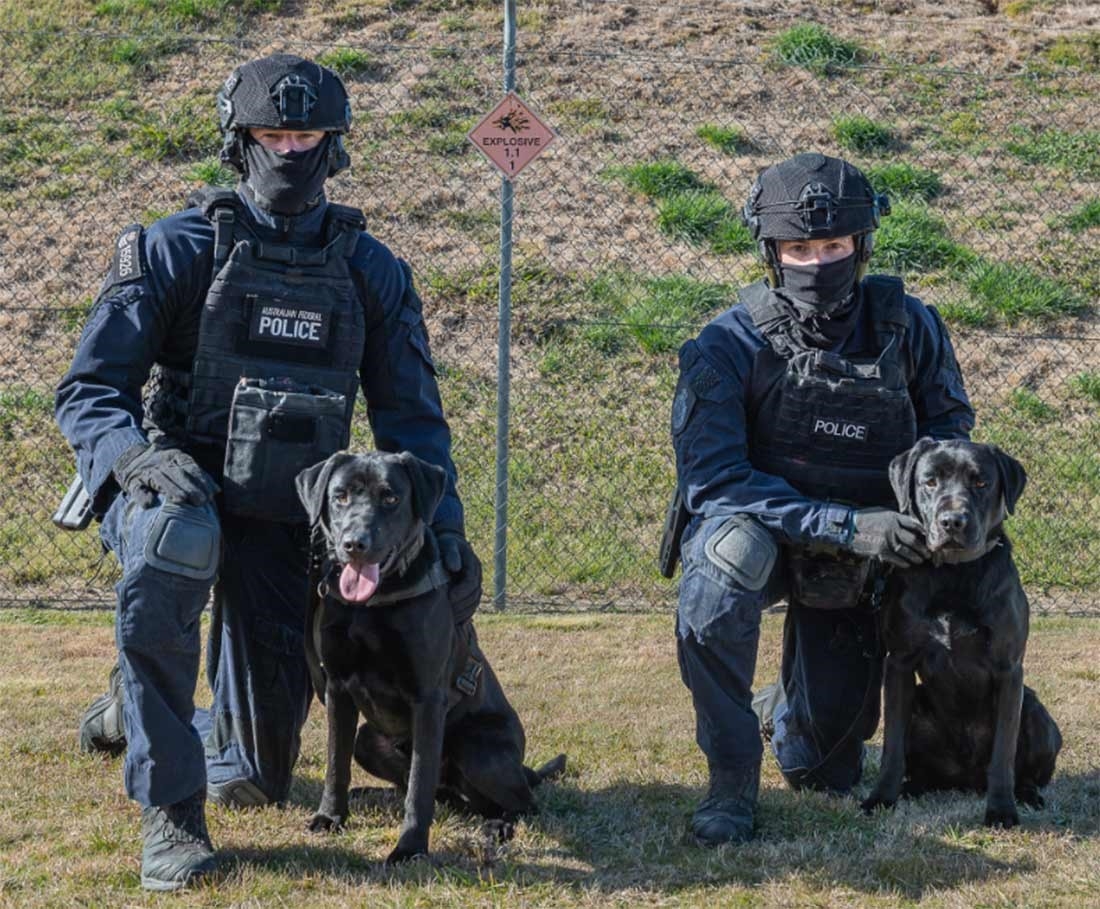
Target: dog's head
[(370, 508), (960, 491)]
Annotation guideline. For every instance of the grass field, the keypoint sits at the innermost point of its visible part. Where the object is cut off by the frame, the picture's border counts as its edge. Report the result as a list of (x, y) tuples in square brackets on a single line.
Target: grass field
[(603, 688)]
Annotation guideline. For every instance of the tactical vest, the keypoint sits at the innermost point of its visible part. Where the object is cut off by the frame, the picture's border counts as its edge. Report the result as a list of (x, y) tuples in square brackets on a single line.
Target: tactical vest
[(830, 425), (275, 373)]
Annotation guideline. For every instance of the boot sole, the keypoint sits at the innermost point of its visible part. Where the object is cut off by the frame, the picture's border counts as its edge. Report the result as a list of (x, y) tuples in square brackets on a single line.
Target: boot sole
[(196, 876)]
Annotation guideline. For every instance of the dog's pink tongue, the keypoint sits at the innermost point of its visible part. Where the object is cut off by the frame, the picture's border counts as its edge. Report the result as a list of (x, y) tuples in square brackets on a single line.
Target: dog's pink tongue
[(358, 582)]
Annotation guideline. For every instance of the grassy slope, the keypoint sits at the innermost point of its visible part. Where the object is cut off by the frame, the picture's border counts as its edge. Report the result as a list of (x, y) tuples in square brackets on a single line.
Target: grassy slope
[(993, 223), (605, 689)]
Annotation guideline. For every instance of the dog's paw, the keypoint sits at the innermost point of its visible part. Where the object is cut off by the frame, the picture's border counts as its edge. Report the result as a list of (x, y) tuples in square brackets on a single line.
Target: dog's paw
[(402, 854), (1001, 816), (1030, 796), (323, 823), (873, 802), (498, 831)]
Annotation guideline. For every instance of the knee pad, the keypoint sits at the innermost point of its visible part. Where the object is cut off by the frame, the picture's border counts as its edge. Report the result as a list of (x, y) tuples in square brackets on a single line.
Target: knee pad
[(744, 550), (184, 540)]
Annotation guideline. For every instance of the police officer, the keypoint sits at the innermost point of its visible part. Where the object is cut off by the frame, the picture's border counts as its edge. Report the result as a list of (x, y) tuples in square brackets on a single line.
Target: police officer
[(251, 318), (789, 408)]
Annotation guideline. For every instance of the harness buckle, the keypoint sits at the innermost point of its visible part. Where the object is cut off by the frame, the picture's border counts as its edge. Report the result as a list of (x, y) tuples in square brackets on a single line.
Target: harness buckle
[(467, 682)]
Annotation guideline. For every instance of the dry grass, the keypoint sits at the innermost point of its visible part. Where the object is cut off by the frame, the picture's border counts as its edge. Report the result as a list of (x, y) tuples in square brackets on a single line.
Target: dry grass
[(603, 688)]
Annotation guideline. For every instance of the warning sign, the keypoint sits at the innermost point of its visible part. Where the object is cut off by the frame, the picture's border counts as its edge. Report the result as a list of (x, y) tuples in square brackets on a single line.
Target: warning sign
[(511, 136)]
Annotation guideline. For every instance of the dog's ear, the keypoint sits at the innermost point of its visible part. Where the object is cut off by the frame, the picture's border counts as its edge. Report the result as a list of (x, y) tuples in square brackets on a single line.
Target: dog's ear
[(1013, 477), (428, 483), (901, 473), (312, 483)]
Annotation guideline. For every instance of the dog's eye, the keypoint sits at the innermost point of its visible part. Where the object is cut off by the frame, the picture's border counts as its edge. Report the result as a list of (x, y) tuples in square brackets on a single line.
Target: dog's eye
[(980, 483), (390, 500), (341, 497), (931, 482)]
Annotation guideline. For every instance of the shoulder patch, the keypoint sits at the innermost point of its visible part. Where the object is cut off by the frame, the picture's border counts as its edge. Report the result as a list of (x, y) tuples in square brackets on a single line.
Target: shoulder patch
[(127, 263), (682, 405)]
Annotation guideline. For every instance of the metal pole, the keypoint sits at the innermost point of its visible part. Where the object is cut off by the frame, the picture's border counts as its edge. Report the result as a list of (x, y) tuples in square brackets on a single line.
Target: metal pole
[(504, 337)]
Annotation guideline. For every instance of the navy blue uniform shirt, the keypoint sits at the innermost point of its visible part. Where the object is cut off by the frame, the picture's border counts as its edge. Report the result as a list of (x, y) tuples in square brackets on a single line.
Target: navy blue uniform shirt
[(148, 311), (711, 440)]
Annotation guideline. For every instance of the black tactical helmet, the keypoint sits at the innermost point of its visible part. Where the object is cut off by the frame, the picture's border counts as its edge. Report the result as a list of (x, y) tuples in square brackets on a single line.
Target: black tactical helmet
[(812, 196), (283, 92)]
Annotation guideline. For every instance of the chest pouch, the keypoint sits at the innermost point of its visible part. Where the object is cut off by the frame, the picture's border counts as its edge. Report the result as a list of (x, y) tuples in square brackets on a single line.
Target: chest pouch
[(826, 581), (277, 428)]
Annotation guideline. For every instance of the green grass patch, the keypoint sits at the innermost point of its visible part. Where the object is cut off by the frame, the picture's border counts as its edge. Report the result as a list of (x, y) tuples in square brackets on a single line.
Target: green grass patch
[(861, 134), (901, 180), (348, 62), (1076, 51), (913, 238), (1077, 153), (815, 48), (687, 208), (1030, 406), (183, 130), (1016, 292), (727, 139), (657, 179), (1086, 385), (657, 314), (1083, 217), (213, 173)]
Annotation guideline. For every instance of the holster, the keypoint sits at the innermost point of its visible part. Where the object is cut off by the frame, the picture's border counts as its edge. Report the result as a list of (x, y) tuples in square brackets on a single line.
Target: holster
[(75, 510), (676, 520)]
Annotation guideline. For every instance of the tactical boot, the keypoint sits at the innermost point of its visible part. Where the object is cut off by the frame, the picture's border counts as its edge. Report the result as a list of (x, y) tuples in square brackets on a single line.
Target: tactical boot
[(176, 849), (101, 726), (236, 794), (725, 815)]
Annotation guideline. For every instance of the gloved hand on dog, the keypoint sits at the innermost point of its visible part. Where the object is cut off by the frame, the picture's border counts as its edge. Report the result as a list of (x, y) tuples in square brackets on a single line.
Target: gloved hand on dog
[(143, 471), (888, 535), (464, 567)]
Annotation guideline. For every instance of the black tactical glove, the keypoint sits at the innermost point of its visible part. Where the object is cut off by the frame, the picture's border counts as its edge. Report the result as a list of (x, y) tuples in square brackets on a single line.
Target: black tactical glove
[(880, 533), (464, 568), (143, 471)]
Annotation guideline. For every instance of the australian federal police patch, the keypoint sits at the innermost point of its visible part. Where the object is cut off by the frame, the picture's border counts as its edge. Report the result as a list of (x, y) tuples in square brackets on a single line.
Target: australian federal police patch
[(288, 323), (126, 265)]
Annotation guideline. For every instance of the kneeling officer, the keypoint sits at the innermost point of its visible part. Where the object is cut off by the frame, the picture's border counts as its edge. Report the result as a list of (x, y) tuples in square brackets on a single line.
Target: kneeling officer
[(789, 408), (255, 315)]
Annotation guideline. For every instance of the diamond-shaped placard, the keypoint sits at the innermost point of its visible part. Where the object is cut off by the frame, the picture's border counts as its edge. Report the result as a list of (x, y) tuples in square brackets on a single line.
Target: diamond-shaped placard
[(511, 135)]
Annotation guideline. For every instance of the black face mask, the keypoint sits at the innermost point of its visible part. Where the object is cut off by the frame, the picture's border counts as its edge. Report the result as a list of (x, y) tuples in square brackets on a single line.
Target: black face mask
[(286, 184), (826, 287)]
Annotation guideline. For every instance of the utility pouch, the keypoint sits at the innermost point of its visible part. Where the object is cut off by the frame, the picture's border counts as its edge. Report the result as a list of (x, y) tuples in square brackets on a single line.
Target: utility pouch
[(676, 519), (826, 580), (277, 428), (75, 510)]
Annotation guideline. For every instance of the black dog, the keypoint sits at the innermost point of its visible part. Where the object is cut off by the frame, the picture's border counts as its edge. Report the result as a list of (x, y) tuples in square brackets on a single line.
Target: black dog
[(960, 623), (381, 641)]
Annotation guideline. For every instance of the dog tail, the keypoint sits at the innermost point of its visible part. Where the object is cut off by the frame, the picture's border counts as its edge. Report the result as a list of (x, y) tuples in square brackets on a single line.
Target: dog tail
[(552, 769)]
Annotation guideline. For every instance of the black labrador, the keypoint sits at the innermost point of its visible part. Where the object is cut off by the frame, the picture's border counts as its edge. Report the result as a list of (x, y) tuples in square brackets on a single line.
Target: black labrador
[(959, 622), (381, 642)]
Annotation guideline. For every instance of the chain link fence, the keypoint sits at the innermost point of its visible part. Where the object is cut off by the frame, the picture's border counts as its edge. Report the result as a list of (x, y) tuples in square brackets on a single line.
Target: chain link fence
[(627, 240)]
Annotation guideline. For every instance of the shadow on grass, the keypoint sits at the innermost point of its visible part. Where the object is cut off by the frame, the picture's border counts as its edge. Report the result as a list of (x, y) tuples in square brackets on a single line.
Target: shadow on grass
[(631, 835)]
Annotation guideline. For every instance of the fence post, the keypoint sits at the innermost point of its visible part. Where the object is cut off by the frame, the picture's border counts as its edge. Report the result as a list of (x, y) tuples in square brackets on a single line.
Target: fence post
[(504, 339)]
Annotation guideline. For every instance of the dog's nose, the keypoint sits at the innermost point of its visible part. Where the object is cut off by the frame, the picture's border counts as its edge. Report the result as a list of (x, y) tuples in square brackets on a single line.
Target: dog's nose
[(953, 521), (355, 544)]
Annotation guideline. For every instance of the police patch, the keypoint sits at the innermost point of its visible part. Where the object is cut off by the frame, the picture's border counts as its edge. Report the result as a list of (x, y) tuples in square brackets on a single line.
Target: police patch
[(840, 429), (126, 265), (288, 323)]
